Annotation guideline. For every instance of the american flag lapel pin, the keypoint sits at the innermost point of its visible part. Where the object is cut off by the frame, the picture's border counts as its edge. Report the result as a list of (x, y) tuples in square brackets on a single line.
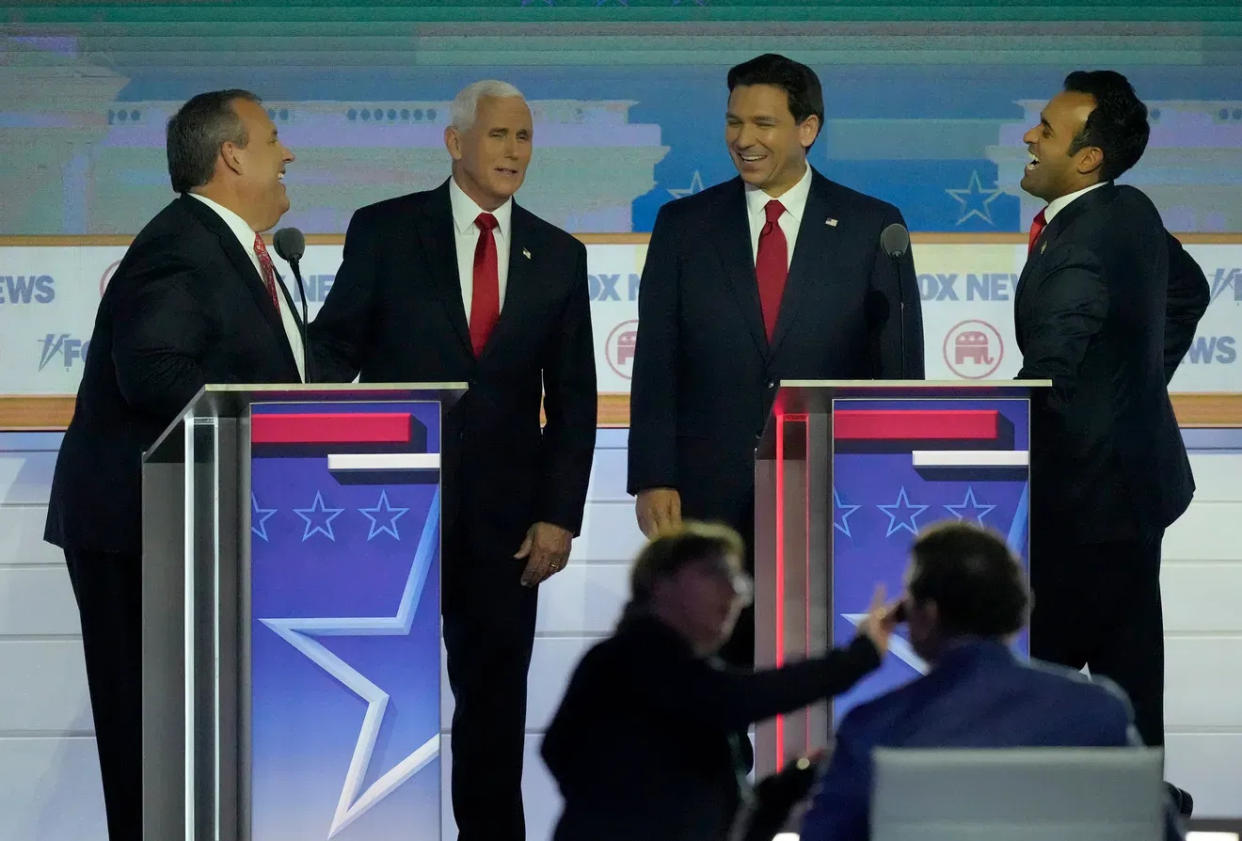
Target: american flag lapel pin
[(526, 253), (831, 222), (1043, 247)]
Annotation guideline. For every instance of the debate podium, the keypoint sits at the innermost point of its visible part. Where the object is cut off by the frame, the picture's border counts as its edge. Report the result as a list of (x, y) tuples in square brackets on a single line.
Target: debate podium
[(291, 613), (846, 473)]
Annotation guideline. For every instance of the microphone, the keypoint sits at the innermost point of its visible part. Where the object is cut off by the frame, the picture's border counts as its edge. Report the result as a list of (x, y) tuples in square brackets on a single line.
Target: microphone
[(895, 242), (291, 245)]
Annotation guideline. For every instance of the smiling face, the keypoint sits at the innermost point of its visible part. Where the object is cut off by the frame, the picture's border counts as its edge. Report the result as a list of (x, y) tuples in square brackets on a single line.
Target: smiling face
[(490, 157), (767, 144), (259, 167), (1054, 171)]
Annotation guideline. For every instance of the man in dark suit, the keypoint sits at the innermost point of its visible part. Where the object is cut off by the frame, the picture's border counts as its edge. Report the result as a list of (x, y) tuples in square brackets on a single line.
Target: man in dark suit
[(461, 284), (645, 743), (1106, 308), (777, 274), (966, 599), (192, 302)]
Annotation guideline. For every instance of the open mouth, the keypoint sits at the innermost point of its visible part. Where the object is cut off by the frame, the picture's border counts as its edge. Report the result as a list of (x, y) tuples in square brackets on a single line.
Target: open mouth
[(505, 171), (1034, 162), (750, 159)]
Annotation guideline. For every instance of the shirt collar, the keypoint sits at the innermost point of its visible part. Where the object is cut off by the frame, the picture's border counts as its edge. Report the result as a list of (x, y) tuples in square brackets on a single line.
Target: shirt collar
[(465, 211), (239, 226), (1057, 205), (794, 199)]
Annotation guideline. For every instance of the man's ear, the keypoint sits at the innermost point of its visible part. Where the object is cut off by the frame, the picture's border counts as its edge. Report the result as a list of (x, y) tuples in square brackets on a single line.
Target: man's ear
[(230, 157), (1090, 159), (808, 130), (452, 142)]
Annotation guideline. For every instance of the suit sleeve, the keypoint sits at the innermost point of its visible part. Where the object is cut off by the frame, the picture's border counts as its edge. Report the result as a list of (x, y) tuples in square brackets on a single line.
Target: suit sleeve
[(1068, 313), (653, 390), (733, 699), (570, 402), (892, 284), (1188, 299), (165, 335), (338, 335), (840, 806)]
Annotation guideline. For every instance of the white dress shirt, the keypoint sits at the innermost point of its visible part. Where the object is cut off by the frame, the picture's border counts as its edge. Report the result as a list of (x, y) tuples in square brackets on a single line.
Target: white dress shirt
[(1057, 205), (245, 235), (466, 233), (794, 201)]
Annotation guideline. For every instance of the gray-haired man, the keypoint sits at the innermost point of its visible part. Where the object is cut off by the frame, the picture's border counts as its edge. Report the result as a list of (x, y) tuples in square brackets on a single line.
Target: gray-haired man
[(459, 283)]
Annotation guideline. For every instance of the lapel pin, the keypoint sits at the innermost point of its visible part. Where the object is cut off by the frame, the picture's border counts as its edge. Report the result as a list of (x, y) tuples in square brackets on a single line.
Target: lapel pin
[(1043, 247), (830, 222), (526, 253)]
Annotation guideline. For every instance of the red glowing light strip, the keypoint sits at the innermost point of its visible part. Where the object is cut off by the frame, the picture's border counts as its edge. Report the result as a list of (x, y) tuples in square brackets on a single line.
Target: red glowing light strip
[(324, 428), (921, 424), (780, 575)]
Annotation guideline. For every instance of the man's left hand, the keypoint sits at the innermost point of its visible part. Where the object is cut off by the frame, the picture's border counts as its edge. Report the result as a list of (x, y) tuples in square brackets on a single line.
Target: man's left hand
[(546, 550)]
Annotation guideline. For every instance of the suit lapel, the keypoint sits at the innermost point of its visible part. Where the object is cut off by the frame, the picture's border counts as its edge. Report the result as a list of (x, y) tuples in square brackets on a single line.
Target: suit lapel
[(1059, 224), (245, 269), (730, 232), (439, 242), (521, 276), (811, 255)]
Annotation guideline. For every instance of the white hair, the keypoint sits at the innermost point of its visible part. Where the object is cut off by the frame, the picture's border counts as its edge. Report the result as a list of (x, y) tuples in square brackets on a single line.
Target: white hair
[(466, 103)]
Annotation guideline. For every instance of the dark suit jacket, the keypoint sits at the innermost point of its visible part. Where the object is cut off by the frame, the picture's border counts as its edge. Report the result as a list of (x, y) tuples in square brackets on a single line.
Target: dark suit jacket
[(704, 372), (395, 314), (1106, 307), (185, 308), (977, 696), (641, 746)]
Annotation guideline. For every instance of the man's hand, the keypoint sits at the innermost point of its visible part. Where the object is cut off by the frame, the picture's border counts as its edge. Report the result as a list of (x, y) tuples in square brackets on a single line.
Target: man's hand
[(658, 510), (546, 550), (880, 622)]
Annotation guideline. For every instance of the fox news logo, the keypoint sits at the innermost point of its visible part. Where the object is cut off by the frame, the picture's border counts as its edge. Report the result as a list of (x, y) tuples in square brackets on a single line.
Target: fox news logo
[(62, 349), (983, 286), (26, 289), (1225, 280), (1208, 350), (613, 287)]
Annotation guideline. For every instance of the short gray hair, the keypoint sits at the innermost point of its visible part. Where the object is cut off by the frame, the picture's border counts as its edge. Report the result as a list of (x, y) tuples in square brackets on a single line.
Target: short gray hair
[(466, 103), (196, 133)]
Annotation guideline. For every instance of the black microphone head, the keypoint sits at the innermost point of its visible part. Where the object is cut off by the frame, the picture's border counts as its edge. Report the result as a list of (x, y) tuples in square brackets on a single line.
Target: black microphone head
[(290, 244), (895, 240)]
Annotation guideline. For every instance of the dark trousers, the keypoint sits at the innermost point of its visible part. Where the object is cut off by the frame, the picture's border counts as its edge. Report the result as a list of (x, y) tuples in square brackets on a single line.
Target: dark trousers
[(489, 628), (108, 590), (1098, 605)]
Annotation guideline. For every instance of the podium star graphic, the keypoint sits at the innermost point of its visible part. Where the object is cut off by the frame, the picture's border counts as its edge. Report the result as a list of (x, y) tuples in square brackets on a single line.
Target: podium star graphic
[(299, 632), (390, 517), (898, 646), (974, 200), (969, 509), (696, 186), (316, 523), (902, 515), (259, 517), (842, 513)]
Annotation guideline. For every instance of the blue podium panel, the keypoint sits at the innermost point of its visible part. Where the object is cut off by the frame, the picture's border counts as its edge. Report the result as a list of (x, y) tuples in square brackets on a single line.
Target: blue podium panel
[(345, 635), (900, 465)]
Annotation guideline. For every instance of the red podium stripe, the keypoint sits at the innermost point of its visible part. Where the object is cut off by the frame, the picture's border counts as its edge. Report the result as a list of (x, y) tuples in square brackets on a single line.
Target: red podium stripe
[(360, 428), (916, 425)]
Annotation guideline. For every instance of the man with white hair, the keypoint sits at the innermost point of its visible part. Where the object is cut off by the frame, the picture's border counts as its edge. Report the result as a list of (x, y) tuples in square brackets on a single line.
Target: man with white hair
[(459, 283)]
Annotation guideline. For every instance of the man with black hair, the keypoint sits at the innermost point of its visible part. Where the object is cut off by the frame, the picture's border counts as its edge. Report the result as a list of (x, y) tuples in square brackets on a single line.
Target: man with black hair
[(646, 743), (774, 275), (1106, 307), (966, 599), (194, 301)]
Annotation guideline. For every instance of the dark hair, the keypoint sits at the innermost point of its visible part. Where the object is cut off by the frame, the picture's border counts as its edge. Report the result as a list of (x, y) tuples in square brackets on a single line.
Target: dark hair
[(972, 576), (798, 81), (1118, 124), (663, 556), (196, 132)]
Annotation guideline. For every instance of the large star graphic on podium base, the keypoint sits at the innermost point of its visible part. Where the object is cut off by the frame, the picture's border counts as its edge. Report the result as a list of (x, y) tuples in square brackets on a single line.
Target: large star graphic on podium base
[(300, 632)]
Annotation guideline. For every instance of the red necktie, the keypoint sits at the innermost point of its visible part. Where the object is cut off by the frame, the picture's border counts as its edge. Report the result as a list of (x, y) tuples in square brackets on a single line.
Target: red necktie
[(771, 265), (1037, 228), (268, 270), (485, 299)]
